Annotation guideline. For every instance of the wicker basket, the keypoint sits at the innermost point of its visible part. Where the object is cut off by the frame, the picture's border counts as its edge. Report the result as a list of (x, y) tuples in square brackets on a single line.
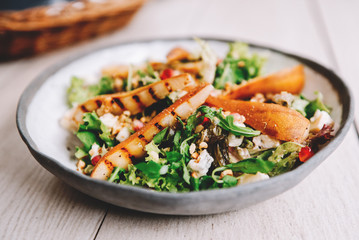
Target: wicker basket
[(40, 29)]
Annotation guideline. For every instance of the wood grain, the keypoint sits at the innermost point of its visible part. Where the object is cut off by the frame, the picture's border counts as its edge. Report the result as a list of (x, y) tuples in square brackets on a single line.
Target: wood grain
[(35, 205), (340, 21)]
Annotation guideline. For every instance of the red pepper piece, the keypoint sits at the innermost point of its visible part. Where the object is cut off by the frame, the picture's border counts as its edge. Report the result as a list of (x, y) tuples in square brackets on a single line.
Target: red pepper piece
[(305, 153), (167, 73), (95, 159)]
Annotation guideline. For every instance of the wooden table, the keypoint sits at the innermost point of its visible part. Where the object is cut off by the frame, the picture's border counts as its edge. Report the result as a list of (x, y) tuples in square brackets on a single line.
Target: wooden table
[(36, 205)]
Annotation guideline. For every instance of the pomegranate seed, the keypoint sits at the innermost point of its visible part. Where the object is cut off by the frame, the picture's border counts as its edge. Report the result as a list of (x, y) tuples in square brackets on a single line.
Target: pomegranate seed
[(95, 159), (305, 153), (167, 73), (205, 120)]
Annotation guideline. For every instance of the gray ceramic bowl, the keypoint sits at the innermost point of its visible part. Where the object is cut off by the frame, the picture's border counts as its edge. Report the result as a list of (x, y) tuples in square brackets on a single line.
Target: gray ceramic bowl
[(43, 104)]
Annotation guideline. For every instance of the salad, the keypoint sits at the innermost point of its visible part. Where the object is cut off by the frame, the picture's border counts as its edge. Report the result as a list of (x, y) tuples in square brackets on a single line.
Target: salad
[(195, 122)]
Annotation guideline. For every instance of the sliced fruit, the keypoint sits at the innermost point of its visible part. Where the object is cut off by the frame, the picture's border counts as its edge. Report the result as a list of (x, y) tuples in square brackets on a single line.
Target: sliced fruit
[(271, 119), (134, 101), (290, 80), (133, 148)]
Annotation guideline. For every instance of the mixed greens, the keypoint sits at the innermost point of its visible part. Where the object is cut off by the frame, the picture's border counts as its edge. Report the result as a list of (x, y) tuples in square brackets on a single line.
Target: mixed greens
[(210, 148)]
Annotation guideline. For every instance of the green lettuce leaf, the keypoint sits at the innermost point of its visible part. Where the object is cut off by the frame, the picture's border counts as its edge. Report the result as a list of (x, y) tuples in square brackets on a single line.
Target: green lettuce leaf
[(78, 92), (93, 124), (229, 70), (284, 157), (315, 105), (151, 169)]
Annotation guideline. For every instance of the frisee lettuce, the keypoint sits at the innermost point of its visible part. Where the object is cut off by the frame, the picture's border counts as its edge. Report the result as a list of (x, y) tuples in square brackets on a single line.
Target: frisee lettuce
[(237, 66), (78, 92)]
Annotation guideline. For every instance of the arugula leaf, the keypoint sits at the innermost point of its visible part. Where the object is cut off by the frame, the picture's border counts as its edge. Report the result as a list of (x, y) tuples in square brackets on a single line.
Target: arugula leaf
[(151, 169), (227, 123), (160, 136), (173, 156), (315, 105), (176, 141), (249, 165)]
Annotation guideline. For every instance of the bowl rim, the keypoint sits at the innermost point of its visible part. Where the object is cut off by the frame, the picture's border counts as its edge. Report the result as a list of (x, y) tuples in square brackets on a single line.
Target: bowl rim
[(69, 175)]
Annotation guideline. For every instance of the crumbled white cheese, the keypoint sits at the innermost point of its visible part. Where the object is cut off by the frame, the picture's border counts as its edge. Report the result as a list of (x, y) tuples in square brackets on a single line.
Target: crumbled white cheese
[(164, 170), (109, 120), (320, 119), (123, 134), (263, 142), (154, 156), (95, 150), (259, 97), (283, 98), (201, 164), (192, 148), (234, 141), (249, 178), (239, 155)]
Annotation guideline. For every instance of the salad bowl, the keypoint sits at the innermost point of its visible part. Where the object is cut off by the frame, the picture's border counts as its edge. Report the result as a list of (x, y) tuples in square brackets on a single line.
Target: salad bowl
[(43, 104)]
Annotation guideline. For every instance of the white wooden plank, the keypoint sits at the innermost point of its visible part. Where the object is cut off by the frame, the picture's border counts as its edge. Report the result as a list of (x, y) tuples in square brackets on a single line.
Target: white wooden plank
[(35, 204), (341, 22)]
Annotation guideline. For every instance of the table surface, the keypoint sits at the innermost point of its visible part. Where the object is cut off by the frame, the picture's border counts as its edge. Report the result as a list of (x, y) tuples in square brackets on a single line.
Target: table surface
[(36, 205)]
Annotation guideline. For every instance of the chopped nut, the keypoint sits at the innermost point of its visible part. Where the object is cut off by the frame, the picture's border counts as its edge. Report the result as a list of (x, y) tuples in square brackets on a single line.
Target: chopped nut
[(228, 172), (203, 145), (127, 113), (195, 155), (194, 174), (118, 84), (198, 128), (259, 97), (241, 64), (80, 165), (192, 148)]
